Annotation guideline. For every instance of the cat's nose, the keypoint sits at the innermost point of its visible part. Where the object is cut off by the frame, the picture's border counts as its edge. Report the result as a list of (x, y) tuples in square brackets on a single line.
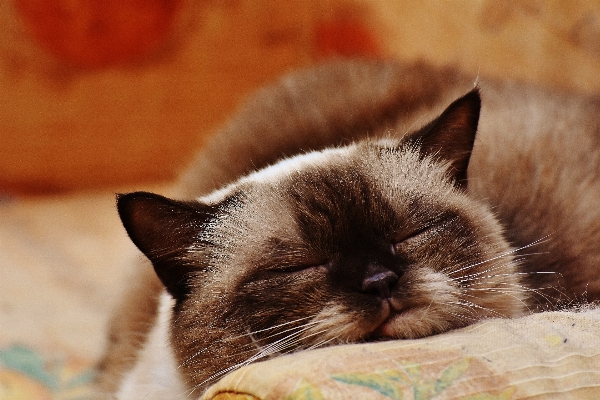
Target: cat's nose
[(379, 280)]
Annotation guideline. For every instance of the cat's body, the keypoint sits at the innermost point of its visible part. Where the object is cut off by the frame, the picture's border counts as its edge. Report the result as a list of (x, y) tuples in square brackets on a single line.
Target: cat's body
[(383, 238)]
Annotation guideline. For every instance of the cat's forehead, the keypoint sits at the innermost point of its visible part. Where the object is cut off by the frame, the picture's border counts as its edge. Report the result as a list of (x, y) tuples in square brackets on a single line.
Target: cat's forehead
[(302, 163), (282, 170), (385, 164)]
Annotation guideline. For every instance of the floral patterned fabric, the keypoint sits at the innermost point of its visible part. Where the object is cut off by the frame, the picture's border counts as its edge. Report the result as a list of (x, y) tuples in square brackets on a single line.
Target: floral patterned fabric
[(545, 356), (26, 375)]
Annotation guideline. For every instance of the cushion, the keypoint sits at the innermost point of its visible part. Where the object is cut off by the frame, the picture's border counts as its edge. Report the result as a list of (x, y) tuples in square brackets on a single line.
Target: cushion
[(547, 355)]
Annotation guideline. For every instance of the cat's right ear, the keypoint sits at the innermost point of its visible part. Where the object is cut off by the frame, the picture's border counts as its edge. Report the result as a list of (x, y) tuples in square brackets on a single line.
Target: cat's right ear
[(164, 230)]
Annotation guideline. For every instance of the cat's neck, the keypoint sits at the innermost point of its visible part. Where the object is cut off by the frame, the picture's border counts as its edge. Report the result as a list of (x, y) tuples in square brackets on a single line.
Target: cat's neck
[(155, 374)]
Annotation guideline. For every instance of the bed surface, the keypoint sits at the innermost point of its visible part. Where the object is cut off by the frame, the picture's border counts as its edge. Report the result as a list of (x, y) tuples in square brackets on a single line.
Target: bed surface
[(63, 262)]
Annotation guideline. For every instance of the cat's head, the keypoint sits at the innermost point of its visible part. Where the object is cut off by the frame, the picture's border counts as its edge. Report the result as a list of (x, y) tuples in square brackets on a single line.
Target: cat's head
[(377, 239)]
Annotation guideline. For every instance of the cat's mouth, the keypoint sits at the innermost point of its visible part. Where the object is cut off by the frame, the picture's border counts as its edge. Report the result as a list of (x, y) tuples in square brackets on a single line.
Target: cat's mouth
[(397, 317), (390, 311)]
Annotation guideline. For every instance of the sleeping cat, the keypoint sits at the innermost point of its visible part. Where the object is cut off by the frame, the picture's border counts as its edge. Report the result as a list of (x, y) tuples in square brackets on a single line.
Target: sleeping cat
[(358, 201)]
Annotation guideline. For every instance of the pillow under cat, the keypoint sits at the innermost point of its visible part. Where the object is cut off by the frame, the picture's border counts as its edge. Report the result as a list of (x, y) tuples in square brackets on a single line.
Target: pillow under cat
[(358, 201)]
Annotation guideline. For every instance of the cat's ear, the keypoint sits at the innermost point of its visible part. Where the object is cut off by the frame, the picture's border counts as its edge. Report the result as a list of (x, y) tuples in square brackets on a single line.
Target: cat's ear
[(164, 229), (451, 136)]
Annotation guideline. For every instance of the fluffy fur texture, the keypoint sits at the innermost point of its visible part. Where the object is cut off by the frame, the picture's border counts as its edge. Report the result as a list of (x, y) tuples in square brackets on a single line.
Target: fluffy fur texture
[(390, 218)]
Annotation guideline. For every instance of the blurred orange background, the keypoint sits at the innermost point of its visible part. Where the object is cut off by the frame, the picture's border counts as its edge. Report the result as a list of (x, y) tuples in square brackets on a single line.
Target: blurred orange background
[(97, 95)]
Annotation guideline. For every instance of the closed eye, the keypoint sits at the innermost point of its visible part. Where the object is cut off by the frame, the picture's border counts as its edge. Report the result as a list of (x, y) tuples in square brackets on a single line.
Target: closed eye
[(292, 269), (414, 237), (289, 269), (426, 232)]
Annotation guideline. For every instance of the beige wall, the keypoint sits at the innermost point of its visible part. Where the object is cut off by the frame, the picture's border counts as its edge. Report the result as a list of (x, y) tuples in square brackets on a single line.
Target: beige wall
[(66, 127)]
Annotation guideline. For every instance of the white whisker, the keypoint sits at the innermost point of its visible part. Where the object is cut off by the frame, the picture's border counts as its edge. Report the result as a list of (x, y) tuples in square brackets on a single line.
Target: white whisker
[(273, 348), (253, 344), (502, 255)]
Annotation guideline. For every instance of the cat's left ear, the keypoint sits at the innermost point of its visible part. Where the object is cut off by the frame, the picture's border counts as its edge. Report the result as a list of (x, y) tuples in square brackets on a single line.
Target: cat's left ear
[(451, 136)]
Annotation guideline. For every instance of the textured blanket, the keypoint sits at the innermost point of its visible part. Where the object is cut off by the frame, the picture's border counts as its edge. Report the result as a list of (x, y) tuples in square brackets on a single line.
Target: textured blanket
[(543, 356)]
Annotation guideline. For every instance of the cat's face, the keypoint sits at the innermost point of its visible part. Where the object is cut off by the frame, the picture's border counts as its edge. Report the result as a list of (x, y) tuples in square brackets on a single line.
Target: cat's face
[(375, 240)]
